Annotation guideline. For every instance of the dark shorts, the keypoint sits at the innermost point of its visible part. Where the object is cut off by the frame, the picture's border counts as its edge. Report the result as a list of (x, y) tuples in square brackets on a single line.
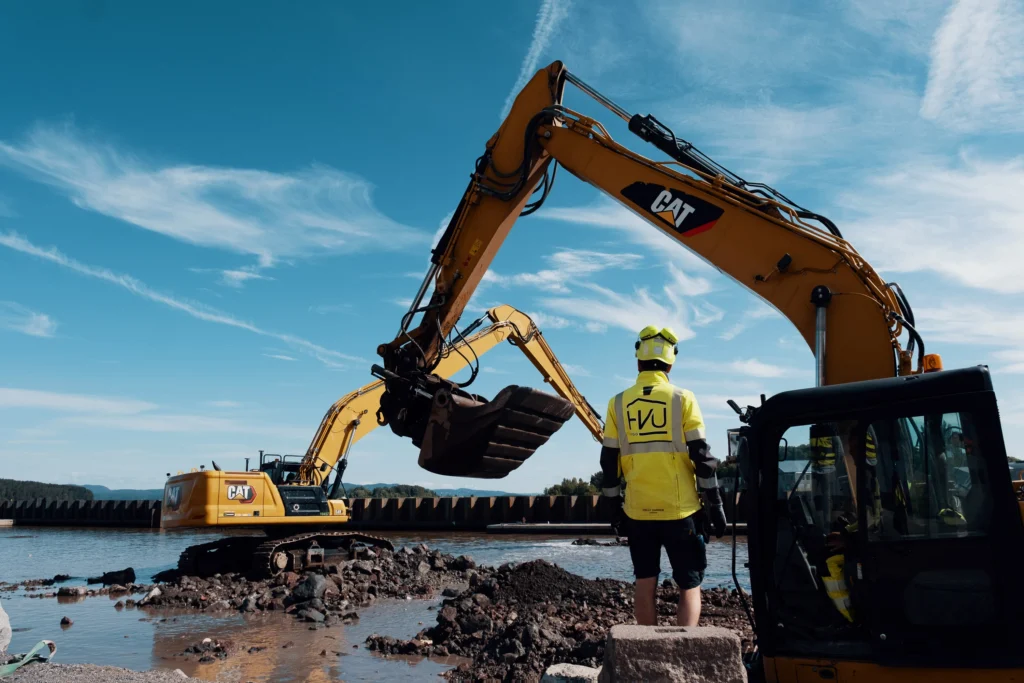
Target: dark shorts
[(683, 545)]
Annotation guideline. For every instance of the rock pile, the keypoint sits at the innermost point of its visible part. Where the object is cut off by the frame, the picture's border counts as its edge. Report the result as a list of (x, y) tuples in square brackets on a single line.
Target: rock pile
[(594, 541), (518, 620), (322, 598)]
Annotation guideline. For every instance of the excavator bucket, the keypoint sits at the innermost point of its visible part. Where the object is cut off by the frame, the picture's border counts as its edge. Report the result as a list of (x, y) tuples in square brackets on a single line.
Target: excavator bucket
[(466, 437)]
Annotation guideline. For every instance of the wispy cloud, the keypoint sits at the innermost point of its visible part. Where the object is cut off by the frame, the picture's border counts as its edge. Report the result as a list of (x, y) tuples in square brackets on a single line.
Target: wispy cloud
[(236, 277), (75, 403), (550, 15), (196, 310), (18, 318), (745, 367), (279, 356), (613, 216), (577, 370), (6, 209), (493, 371), (267, 215), (762, 312), (325, 309), (976, 79), (224, 404), (631, 312), (961, 220), (567, 266)]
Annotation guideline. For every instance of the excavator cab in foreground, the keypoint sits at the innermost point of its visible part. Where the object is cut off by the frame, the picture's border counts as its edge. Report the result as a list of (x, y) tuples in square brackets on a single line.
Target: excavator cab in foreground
[(915, 497)]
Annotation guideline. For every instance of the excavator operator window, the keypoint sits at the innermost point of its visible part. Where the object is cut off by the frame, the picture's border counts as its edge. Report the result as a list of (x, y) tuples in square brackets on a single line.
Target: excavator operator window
[(933, 481)]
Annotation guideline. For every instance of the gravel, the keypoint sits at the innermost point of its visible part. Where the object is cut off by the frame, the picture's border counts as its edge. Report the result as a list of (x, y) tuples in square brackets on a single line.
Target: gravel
[(72, 673)]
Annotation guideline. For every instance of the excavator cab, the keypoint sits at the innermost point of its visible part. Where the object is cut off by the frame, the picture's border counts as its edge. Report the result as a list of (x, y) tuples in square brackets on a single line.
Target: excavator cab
[(885, 531), (461, 434)]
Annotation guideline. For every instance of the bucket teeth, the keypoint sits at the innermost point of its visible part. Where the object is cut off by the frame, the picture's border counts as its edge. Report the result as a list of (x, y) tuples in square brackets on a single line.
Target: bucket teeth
[(488, 440)]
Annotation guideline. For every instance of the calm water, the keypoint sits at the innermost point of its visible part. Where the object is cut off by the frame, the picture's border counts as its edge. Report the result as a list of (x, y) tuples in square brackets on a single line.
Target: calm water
[(142, 640)]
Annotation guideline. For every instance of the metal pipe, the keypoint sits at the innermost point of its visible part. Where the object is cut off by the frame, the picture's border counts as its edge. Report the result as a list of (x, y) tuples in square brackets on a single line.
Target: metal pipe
[(821, 296), (616, 109), (407, 319)]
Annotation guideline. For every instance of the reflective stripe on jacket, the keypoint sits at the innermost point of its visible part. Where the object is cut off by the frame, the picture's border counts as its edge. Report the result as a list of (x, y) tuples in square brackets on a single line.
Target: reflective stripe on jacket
[(650, 424)]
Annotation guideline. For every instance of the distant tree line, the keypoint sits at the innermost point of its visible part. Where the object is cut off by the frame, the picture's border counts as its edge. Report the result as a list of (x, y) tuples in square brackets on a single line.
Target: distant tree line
[(397, 491), (11, 489)]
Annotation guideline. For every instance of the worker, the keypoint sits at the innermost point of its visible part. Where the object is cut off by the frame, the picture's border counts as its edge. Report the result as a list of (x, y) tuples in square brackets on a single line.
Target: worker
[(654, 437)]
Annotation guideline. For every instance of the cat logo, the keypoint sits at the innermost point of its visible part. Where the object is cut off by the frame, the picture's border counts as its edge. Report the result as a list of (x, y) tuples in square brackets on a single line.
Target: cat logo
[(172, 499), (683, 213), (647, 417), (241, 492)]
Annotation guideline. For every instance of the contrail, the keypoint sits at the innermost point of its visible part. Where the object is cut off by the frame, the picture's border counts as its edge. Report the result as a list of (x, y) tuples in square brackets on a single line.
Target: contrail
[(551, 14), (15, 241)]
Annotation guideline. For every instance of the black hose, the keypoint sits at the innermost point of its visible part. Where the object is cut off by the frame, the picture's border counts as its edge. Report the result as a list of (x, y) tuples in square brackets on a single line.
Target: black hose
[(913, 335)]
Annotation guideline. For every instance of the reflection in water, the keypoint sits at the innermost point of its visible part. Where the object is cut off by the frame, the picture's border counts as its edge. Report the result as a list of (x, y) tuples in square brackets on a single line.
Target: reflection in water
[(140, 639)]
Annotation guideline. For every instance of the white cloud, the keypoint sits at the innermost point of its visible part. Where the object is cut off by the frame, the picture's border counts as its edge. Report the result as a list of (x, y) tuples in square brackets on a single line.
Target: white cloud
[(977, 325), (964, 221), (567, 267), (493, 371), (268, 215), (746, 367), (224, 404), (75, 403), (18, 318), (325, 309), (976, 79), (732, 332), (187, 424), (196, 310), (279, 356), (629, 312), (576, 370), (613, 216), (236, 277), (550, 15), (546, 321)]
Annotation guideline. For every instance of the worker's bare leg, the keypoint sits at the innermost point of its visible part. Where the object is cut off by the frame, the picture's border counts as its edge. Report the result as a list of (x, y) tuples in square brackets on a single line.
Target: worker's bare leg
[(689, 607), (643, 601)]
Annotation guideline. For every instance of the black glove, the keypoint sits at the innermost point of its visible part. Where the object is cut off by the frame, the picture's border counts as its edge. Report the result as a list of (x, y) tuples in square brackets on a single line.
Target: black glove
[(620, 521), (715, 511)]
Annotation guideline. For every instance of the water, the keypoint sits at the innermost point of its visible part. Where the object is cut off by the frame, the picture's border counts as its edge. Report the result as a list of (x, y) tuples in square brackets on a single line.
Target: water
[(143, 640)]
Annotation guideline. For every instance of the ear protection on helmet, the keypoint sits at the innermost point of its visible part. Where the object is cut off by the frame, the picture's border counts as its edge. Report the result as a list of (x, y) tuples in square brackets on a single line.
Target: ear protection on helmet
[(650, 332)]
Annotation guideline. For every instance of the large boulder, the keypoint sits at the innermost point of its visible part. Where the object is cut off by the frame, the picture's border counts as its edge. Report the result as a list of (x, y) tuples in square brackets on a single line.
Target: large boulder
[(680, 654), (313, 586), (124, 576)]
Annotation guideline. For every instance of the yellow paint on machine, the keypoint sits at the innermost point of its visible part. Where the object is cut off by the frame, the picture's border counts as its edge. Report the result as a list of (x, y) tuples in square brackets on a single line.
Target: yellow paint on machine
[(213, 498)]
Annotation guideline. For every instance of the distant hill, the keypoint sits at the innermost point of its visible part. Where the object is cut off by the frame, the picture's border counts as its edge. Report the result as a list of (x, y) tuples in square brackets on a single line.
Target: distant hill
[(103, 493), (11, 489)]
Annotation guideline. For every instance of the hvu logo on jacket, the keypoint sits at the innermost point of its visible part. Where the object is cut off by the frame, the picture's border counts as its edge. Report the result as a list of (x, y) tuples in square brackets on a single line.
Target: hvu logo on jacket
[(686, 214)]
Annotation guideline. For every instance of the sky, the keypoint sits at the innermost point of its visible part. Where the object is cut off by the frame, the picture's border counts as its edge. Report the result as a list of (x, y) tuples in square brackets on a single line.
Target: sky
[(212, 214)]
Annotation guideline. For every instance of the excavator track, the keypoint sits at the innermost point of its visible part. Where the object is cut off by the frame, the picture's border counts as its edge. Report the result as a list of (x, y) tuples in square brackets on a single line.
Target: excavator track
[(263, 555)]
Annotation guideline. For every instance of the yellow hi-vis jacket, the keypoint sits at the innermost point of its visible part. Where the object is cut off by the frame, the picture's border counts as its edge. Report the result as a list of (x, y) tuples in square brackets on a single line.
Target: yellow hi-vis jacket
[(650, 424)]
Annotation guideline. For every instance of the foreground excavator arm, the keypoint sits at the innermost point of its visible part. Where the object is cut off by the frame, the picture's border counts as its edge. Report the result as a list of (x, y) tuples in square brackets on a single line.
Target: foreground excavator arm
[(792, 258), (353, 416)]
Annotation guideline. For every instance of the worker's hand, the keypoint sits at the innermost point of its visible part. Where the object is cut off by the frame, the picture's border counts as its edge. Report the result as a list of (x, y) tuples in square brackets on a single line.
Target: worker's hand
[(619, 521), (715, 511)]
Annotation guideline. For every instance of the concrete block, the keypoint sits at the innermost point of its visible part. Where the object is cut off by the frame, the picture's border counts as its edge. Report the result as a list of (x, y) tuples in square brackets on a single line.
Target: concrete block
[(570, 673), (680, 654)]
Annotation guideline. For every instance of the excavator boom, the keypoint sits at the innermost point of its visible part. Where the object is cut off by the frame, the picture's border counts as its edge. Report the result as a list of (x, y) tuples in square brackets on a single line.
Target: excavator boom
[(794, 259)]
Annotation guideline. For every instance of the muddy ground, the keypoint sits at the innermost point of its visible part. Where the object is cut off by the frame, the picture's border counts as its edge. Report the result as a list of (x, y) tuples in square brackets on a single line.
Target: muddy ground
[(512, 621)]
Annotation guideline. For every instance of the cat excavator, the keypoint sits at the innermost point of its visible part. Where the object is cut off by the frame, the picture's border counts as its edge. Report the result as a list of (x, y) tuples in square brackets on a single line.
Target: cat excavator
[(295, 501), (906, 478)]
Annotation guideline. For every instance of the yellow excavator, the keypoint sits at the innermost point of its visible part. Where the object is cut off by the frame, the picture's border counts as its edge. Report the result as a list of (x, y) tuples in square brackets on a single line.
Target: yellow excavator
[(900, 465), (295, 501)]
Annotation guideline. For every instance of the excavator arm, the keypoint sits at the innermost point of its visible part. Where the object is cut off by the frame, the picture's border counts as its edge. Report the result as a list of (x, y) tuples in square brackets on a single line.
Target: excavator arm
[(792, 258), (354, 415)]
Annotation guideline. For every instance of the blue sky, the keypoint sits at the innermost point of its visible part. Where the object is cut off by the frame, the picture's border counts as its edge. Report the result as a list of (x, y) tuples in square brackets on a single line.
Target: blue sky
[(210, 215)]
